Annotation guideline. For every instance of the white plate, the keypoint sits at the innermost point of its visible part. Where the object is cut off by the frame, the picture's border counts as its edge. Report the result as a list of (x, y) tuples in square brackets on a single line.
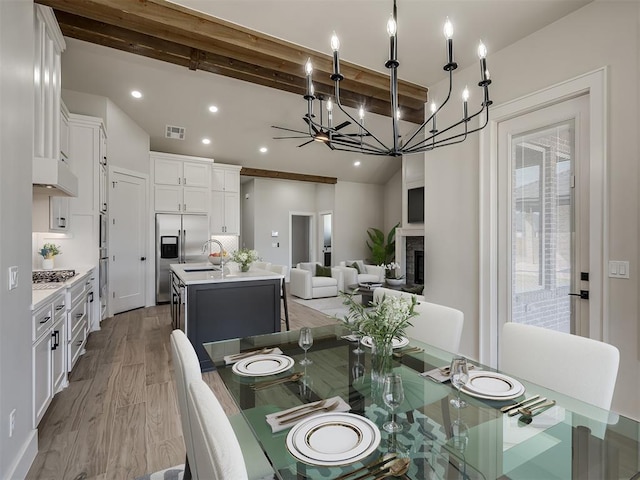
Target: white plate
[(333, 439), (397, 342), (262, 365), (492, 384)]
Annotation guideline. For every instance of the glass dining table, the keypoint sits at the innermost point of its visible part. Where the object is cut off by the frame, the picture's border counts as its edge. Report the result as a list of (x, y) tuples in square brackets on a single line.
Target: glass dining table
[(571, 439)]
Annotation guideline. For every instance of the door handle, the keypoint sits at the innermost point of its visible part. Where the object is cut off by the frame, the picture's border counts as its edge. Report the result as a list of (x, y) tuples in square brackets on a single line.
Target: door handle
[(584, 294)]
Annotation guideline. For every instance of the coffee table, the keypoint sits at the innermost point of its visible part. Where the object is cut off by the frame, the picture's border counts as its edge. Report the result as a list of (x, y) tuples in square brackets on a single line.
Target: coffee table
[(365, 290)]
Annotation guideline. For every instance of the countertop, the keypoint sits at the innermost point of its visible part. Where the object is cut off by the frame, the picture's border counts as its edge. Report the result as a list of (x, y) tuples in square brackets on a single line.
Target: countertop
[(40, 297), (231, 274)]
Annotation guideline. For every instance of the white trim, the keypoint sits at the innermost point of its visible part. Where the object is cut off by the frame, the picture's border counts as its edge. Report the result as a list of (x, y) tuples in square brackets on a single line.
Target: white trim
[(26, 456), (184, 158), (53, 29), (595, 84)]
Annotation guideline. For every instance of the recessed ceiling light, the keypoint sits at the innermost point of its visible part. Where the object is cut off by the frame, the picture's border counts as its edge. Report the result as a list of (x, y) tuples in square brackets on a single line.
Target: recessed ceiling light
[(206, 141), (213, 108), (356, 163), (136, 94), (264, 149)]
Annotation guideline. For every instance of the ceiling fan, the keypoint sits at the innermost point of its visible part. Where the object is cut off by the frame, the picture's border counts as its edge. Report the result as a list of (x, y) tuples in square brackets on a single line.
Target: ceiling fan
[(319, 134)]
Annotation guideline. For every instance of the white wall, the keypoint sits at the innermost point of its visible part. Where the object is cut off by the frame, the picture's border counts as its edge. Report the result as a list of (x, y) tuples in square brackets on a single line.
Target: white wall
[(601, 33), (359, 206), (16, 154), (392, 202), (247, 214)]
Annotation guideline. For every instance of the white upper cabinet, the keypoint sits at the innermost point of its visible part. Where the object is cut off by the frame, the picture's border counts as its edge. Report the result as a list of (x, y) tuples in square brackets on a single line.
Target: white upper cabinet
[(225, 200), (86, 138), (225, 179), (181, 183)]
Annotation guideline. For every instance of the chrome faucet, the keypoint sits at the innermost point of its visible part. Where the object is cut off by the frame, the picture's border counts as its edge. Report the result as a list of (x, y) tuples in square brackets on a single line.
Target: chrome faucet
[(207, 243)]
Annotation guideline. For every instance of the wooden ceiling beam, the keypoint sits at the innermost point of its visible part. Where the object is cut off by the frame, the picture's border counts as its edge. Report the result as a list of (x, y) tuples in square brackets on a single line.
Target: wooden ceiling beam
[(258, 172), (227, 48)]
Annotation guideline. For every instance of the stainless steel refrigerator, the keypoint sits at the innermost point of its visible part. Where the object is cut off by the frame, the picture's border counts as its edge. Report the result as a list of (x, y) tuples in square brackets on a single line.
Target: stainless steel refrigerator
[(179, 239)]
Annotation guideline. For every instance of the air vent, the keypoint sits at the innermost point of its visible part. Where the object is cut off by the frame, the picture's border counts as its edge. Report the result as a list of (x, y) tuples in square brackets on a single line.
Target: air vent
[(175, 132)]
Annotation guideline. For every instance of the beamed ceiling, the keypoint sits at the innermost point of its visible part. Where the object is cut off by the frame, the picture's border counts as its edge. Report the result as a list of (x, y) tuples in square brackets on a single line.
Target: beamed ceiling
[(171, 33)]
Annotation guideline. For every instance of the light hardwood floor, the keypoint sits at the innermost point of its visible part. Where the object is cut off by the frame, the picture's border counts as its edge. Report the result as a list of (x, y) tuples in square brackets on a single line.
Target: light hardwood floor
[(118, 418)]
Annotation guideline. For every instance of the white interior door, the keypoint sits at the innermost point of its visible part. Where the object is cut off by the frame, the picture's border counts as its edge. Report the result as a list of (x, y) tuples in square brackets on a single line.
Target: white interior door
[(127, 241), (543, 244)]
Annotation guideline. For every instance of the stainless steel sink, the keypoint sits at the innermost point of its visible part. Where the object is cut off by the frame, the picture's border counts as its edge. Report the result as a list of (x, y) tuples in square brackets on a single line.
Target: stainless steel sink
[(202, 269)]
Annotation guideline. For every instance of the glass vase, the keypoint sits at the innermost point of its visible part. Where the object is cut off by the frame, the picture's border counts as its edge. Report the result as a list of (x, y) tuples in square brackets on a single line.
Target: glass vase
[(381, 366), (245, 267)]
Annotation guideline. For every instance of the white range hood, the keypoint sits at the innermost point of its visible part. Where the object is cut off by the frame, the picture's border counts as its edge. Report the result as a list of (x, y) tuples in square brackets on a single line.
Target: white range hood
[(53, 177)]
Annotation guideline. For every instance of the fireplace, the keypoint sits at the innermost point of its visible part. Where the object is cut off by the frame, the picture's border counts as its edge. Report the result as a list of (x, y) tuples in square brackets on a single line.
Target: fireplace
[(418, 269)]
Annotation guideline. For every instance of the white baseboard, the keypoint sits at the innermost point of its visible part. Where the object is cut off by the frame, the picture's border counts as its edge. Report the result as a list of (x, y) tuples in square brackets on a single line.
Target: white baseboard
[(19, 469)]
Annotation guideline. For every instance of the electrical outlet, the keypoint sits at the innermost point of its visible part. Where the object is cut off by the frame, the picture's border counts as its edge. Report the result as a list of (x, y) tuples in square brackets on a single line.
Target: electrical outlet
[(13, 278), (12, 422)]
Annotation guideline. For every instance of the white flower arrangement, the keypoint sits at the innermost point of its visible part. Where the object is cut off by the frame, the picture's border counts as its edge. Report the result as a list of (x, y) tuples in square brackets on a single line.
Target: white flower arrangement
[(391, 270), (244, 256)]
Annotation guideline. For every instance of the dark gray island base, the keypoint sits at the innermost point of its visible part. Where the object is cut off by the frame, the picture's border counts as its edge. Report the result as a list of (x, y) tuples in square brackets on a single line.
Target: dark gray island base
[(220, 311), (216, 306)]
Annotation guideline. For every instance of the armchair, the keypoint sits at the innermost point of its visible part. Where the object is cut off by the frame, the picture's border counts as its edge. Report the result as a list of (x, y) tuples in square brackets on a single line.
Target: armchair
[(368, 273), (304, 283)]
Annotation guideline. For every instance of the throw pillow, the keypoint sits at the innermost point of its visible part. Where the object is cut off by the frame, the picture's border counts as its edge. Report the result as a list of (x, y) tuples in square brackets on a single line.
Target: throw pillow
[(357, 267), (323, 271)]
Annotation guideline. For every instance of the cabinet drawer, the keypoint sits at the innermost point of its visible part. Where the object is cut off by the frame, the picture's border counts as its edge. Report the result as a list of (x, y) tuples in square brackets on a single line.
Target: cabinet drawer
[(59, 305), (77, 291), (42, 321), (75, 347), (77, 317)]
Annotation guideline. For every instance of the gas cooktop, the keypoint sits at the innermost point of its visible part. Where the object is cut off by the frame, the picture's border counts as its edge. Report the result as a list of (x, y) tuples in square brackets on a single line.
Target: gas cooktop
[(51, 276)]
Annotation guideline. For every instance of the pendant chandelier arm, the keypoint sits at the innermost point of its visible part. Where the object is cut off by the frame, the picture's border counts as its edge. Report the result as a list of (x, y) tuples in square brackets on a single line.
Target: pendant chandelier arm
[(441, 143), (421, 127)]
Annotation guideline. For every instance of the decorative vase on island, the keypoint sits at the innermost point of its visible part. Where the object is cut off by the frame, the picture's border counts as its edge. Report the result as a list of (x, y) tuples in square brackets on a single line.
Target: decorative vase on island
[(47, 263), (245, 267)]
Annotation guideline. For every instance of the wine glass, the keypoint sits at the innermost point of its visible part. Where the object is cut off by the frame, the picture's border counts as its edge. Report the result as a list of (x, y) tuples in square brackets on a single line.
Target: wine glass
[(305, 341), (358, 334), (459, 377), (393, 396)]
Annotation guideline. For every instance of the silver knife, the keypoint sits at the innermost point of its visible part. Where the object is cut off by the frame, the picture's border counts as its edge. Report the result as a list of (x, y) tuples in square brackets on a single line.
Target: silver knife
[(519, 404), (513, 413)]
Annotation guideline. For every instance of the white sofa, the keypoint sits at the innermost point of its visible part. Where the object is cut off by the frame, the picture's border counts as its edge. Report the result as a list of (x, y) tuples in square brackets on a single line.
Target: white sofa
[(303, 282), (368, 273)]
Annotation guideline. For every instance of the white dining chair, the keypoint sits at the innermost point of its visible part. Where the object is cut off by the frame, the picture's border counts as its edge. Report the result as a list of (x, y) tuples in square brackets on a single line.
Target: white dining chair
[(576, 366), (217, 452), (187, 371)]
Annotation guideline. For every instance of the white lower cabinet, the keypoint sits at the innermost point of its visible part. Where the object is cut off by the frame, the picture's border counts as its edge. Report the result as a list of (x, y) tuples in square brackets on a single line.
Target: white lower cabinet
[(76, 321), (58, 354), (42, 377)]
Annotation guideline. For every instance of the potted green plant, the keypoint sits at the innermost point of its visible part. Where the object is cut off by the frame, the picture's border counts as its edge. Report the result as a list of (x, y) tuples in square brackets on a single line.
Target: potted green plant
[(383, 248), (48, 251)]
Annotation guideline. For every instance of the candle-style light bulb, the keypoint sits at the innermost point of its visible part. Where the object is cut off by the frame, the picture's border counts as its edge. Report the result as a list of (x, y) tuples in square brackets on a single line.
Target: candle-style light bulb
[(308, 67), (465, 99), (482, 55), (330, 112), (398, 114), (392, 27), (433, 108), (329, 105), (448, 29), (312, 90), (482, 51), (335, 42), (361, 113), (433, 117)]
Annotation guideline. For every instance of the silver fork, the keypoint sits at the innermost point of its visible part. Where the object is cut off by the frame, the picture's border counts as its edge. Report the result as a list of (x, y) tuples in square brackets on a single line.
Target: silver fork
[(313, 411)]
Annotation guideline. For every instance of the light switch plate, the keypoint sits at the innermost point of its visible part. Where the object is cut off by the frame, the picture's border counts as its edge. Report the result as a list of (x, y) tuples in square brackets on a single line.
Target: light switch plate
[(13, 278), (618, 269)]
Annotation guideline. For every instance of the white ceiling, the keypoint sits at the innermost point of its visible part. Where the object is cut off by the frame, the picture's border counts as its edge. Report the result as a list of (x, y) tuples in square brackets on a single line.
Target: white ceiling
[(174, 95)]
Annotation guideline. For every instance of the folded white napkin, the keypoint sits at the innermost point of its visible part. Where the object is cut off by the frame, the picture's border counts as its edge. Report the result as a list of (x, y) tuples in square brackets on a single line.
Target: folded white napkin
[(436, 375), (350, 338), (277, 425), (229, 359)]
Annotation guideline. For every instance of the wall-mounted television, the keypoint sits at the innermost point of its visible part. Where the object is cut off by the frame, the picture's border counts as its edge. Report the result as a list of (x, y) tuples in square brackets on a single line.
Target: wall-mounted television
[(415, 205)]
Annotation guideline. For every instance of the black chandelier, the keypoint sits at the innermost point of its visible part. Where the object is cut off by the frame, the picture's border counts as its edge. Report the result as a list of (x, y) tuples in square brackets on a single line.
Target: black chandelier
[(366, 142)]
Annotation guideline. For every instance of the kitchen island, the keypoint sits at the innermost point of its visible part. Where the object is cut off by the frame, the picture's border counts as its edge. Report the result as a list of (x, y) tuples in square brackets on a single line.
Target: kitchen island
[(210, 305)]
